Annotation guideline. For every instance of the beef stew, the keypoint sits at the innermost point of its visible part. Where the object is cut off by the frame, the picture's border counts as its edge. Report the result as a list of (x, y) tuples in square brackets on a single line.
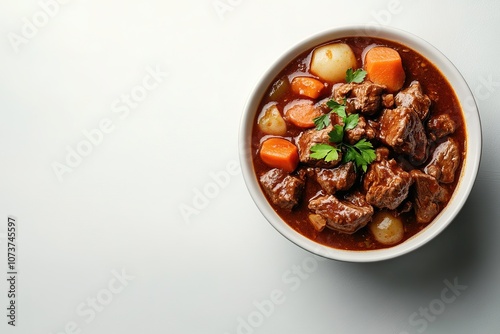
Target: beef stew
[(370, 158)]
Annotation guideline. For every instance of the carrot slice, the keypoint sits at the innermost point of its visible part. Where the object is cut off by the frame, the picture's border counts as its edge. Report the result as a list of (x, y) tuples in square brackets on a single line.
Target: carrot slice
[(307, 86), (301, 113), (383, 66), (280, 153)]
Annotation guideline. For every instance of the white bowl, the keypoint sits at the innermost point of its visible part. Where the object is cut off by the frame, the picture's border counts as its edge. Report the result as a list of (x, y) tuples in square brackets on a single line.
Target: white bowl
[(469, 170)]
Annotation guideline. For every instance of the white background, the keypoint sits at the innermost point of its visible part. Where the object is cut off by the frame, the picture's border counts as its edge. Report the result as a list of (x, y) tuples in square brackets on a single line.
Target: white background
[(221, 268)]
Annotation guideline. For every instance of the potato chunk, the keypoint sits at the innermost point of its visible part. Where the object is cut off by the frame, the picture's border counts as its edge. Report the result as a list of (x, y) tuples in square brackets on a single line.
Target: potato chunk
[(270, 121), (386, 228), (330, 62), (317, 221)]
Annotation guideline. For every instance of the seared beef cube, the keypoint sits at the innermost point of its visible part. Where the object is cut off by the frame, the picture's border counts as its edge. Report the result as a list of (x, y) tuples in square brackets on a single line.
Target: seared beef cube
[(364, 97), (413, 98), (428, 196), (405, 207), (401, 129), (361, 130), (445, 161), (343, 216), (386, 184), (388, 100), (441, 126), (337, 179), (375, 126), (357, 198), (283, 190), (381, 153), (308, 139)]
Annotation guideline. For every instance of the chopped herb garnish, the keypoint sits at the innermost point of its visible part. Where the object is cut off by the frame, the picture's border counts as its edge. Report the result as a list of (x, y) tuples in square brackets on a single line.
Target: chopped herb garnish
[(325, 151), (322, 121), (351, 121), (337, 108), (361, 153), (337, 134), (355, 76)]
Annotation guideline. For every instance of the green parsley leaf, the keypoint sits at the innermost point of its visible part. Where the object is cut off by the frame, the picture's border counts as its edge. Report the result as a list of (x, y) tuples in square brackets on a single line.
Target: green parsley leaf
[(363, 144), (351, 121), (332, 104), (324, 151), (337, 108), (353, 155), (350, 155), (362, 153), (355, 76), (369, 155), (333, 155), (360, 162), (364, 168), (337, 134), (322, 121)]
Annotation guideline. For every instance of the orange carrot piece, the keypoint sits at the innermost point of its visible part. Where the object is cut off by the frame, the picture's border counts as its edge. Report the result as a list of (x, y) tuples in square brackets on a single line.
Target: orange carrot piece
[(307, 86), (302, 113), (383, 66), (280, 153)]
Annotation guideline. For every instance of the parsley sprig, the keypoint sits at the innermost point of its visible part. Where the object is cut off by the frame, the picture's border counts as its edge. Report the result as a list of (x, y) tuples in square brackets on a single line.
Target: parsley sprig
[(325, 151), (355, 76), (361, 153)]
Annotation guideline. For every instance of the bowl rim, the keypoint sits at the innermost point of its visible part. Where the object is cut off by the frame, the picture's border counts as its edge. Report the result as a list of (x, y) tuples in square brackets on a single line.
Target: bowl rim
[(469, 170)]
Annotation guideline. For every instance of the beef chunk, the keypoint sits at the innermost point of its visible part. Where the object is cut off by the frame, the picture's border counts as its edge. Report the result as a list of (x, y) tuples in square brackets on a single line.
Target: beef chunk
[(364, 97), (401, 129), (361, 130), (337, 179), (441, 126), (386, 184), (381, 153), (357, 198), (405, 207), (413, 98), (444, 162), (428, 196), (388, 100), (312, 137), (283, 190), (345, 216)]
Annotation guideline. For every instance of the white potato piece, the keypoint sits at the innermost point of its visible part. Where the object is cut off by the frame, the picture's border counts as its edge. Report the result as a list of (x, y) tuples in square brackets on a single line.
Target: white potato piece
[(271, 122), (386, 228), (317, 221), (331, 61)]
